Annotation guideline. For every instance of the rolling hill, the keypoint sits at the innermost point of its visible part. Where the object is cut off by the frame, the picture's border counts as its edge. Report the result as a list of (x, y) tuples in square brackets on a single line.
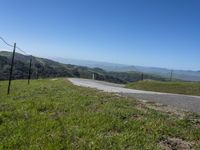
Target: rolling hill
[(43, 68)]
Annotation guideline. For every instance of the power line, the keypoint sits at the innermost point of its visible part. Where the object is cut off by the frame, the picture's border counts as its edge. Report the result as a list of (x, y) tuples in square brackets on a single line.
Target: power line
[(2, 39), (21, 50), (12, 62), (6, 42)]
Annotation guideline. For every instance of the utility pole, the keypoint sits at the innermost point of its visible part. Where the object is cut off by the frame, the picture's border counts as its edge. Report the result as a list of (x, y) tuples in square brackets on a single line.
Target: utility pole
[(11, 69), (29, 73)]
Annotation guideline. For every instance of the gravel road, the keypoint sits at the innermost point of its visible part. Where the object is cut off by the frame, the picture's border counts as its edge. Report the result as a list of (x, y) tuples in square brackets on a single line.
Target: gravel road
[(189, 103)]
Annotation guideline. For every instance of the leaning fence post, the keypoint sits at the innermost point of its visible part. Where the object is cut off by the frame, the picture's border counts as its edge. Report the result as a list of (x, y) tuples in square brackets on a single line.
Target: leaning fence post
[(11, 68)]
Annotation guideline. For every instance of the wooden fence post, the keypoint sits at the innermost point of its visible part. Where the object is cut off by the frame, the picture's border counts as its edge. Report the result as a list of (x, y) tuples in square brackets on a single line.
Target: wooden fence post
[(29, 72), (11, 68)]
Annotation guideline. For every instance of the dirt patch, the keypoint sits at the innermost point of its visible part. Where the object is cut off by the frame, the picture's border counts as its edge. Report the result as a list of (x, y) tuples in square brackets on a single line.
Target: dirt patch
[(176, 144), (168, 110), (163, 108), (136, 117), (141, 106)]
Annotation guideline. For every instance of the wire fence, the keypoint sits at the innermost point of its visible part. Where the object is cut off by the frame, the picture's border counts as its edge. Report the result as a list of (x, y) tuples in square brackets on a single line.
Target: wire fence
[(10, 69), (33, 68), (15, 69)]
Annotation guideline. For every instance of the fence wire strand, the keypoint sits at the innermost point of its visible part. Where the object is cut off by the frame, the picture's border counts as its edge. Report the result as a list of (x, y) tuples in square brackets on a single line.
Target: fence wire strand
[(18, 48)]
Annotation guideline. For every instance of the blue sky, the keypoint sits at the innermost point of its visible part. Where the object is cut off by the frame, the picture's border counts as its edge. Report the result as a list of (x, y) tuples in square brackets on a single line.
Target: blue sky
[(159, 33)]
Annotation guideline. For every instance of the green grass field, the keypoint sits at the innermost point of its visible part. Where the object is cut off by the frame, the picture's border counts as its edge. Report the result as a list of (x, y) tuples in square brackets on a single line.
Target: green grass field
[(188, 88), (50, 114)]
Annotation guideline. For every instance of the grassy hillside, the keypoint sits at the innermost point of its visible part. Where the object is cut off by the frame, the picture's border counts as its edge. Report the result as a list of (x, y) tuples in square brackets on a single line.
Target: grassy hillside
[(54, 114), (188, 88), (43, 68)]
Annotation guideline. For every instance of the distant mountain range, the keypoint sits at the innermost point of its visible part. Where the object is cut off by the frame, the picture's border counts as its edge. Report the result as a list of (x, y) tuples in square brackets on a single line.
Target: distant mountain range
[(186, 75), (43, 68)]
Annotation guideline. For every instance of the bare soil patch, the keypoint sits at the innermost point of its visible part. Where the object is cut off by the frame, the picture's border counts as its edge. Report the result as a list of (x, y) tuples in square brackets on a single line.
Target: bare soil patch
[(164, 108), (176, 144)]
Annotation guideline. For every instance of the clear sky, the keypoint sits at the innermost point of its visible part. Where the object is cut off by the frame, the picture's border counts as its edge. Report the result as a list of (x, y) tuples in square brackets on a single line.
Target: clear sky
[(159, 33)]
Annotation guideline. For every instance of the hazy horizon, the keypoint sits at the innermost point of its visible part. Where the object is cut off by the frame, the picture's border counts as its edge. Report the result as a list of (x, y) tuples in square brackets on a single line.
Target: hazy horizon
[(58, 59)]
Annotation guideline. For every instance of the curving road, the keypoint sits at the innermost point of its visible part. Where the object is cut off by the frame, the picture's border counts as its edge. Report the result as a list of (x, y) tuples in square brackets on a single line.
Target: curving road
[(186, 102)]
